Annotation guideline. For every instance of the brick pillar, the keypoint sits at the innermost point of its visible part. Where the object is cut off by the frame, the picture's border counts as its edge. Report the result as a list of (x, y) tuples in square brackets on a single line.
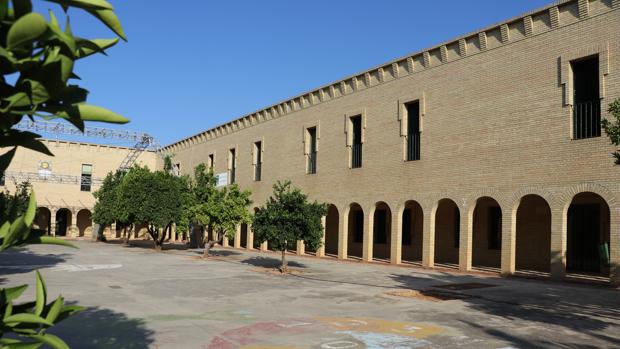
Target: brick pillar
[(173, 232), (509, 240), (466, 237), (368, 243), (53, 226), (614, 245), (559, 229), (72, 229), (301, 248), (250, 238), (264, 246), (237, 240), (428, 238), (225, 241), (320, 252), (343, 234), (396, 236)]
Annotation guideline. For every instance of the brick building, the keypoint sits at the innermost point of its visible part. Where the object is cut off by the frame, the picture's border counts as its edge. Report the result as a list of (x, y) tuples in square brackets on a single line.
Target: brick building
[(482, 152), (64, 183)]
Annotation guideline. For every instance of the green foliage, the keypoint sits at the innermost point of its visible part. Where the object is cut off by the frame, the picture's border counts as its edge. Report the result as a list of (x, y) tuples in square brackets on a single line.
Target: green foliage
[(17, 232), (105, 211), (154, 198), (15, 205), (31, 320), (41, 55), (287, 217), (220, 209), (612, 128)]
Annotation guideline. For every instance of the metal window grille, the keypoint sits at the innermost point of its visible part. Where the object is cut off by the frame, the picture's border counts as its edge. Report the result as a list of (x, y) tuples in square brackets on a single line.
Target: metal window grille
[(356, 155), (587, 119)]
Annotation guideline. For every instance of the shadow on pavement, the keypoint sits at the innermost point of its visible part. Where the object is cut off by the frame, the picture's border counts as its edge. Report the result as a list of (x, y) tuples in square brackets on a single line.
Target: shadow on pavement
[(574, 308), (148, 244), (269, 262), (104, 328), (18, 261)]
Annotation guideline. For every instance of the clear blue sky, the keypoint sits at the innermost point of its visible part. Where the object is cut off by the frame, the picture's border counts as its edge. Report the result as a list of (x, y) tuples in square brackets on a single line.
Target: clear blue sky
[(191, 65)]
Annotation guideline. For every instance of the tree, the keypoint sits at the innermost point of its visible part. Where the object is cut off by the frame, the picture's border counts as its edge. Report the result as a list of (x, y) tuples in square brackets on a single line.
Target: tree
[(38, 59), (612, 128), (42, 56), (221, 210), (105, 211), (153, 198), (15, 205), (288, 217)]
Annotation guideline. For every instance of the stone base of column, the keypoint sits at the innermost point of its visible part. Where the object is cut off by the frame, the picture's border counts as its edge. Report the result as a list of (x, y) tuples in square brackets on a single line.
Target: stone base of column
[(301, 248), (264, 247)]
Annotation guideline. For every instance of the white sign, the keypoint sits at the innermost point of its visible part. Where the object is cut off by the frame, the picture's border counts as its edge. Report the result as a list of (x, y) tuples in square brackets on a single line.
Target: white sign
[(222, 179)]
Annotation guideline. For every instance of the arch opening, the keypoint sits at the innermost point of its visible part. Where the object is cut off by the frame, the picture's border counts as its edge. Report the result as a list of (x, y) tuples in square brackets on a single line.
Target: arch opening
[(83, 221), (533, 235), (331, 231), (412, 227), (487, 233), (588, 235), (63, 221), (382, 229), (356, 231), (447, 232), (43, 220)]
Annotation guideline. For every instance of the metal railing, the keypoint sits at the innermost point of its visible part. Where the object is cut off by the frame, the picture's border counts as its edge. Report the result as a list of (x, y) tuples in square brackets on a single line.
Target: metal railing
[(52, 178), (587, 119), (356, 155), (312, 163), (413, 146)]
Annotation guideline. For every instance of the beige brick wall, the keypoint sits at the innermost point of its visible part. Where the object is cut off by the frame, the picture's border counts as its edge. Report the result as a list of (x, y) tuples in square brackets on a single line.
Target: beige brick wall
[(496, 121), (67, 160)]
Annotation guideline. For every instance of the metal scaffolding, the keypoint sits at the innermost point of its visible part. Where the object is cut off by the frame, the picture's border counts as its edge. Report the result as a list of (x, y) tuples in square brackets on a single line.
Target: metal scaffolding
[(143, 142)]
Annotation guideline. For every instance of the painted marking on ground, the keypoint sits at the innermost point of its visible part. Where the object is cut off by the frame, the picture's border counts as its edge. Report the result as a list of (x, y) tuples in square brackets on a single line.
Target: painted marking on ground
[(328, 333)]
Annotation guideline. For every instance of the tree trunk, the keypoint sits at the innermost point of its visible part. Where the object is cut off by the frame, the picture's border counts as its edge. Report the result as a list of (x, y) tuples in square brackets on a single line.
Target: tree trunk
[(210, 243), (127, 234), (284, 266), (208, 247), (154, 233)]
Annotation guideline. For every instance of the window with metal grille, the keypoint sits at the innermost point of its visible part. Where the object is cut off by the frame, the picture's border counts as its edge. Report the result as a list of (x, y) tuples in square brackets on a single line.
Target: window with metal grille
[(232, 163), (258, 157), (495, 228), (356, 144), (86, 179), (413, 130), (312, 151), (586, 98)]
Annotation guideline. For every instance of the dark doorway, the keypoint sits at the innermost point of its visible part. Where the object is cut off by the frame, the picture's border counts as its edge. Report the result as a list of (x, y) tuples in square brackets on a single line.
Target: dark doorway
[(63, 220), (583, 238), (244, 236)]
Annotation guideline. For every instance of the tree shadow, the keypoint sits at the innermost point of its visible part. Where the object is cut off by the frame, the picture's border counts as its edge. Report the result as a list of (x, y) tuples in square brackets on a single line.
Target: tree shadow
[(220, 253), (270, 263), (103, 328), (19, 261), (149, 244), (580, 308)]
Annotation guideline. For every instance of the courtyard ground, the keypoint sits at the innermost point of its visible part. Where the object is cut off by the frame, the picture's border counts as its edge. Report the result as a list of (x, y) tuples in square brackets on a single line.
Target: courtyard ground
[(137, 298)]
